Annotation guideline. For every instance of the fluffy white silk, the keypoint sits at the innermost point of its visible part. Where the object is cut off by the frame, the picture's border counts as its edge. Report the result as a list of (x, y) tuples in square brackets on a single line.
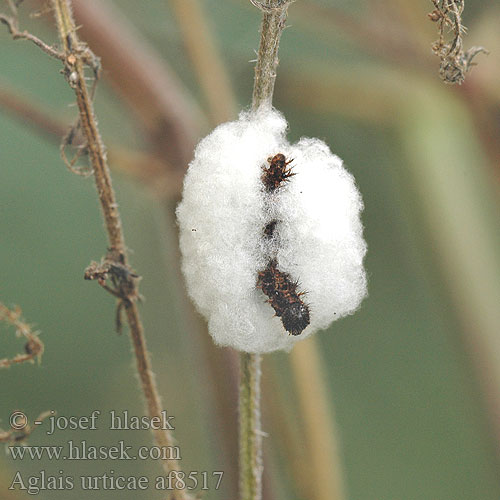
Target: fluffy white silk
[(317, 240)]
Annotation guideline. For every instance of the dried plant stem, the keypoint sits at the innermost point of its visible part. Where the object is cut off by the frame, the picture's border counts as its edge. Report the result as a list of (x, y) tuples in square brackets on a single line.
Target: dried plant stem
[(33, 349), (144, 167), (455, 62), (76, 56), (162, 104), (74, 63), (273, 23), (11, 23), (19, 436), (250, 431)]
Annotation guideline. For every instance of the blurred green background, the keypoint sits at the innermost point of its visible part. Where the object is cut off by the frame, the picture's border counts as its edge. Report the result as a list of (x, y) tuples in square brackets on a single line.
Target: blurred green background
[(413, 376)]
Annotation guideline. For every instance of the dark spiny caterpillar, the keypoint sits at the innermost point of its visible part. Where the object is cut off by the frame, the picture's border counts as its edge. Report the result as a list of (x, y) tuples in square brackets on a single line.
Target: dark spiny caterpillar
[(278, 286), (277, 172), (284, 298)]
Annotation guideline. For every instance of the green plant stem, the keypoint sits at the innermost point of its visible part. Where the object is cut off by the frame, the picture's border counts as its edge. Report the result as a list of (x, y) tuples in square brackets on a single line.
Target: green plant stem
[(250, 431), (273, 23)]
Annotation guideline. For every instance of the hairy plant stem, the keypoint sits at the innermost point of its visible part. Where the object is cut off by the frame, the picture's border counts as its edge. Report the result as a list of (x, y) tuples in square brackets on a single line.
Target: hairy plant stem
[(273, 23), (76, 56), (75, 73), (250, 432)]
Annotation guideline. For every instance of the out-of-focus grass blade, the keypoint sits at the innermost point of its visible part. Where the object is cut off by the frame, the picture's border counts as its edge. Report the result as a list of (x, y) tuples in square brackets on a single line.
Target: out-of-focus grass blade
[(456, 195)]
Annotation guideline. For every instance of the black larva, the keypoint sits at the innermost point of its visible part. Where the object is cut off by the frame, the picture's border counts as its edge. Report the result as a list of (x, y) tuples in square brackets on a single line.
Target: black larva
[(279, 287)]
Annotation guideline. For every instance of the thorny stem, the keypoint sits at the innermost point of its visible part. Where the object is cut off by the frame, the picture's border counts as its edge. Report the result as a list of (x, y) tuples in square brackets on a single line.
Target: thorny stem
[(75, 56), (250, 434)]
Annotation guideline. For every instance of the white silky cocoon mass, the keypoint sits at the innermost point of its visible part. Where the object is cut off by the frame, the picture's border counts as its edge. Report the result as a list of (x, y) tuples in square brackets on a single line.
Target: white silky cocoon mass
[(222, 216)]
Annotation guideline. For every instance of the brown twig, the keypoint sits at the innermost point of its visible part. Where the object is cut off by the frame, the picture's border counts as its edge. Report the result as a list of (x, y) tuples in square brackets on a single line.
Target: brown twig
[(19, 436), (115, 264), (169, 114), (76, 57), (13, 28), (162, 179), (33, 349), (455, 62)]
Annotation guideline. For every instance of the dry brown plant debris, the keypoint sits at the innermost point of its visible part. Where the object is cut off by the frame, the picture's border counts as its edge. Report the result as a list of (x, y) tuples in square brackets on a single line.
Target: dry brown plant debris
[(455, 62)]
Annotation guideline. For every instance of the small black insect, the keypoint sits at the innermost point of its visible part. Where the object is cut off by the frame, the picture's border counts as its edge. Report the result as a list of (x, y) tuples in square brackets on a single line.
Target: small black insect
[(284, 298), (277, 172)]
